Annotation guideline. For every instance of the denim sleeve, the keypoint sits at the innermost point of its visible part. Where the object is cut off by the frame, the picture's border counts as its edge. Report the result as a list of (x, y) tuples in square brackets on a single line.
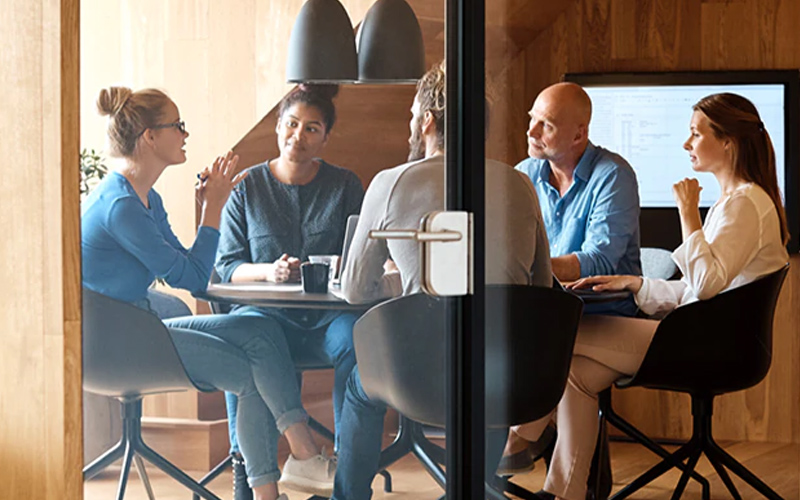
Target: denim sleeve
[(611, 224), (234, 247), (139, 234)]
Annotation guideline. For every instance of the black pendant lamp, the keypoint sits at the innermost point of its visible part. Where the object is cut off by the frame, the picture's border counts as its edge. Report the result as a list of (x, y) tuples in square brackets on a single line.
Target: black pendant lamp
[(322, 46), (390, 46)]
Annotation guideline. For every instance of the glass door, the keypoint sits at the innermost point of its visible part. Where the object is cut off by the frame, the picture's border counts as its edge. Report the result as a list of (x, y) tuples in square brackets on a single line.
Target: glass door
[(465, 180)]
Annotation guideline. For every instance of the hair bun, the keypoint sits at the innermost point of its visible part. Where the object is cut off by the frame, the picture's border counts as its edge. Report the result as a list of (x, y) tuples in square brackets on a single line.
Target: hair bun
[(322, 90), (111, 100)]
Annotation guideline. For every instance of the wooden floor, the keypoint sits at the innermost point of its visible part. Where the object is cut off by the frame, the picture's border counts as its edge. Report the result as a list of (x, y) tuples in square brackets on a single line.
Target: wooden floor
[(777, 464)]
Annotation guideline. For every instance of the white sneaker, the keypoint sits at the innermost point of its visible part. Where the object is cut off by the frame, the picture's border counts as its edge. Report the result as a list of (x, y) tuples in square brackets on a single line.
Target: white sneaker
[(314, 475)]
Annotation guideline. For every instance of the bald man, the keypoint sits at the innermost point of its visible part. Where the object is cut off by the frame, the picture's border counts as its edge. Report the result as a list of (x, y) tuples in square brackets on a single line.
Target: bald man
[(589, 195)]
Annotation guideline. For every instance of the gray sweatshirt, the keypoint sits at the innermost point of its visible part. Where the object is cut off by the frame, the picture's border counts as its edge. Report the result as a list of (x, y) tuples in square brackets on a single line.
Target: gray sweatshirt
[(517, 251)]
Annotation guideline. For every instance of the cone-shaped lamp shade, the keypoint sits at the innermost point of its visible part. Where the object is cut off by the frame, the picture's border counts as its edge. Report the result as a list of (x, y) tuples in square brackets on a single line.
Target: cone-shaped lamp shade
[(390, 47), (322, 47)]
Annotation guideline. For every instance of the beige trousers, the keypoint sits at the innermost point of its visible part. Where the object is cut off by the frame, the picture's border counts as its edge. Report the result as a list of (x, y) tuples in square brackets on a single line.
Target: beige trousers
[(606, 349)]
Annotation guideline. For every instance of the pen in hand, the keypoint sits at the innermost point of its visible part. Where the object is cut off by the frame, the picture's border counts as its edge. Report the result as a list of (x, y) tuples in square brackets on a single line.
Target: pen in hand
[(201, 180)]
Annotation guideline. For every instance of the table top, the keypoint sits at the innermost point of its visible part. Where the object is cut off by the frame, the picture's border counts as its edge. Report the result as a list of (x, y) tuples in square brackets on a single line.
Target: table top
[(284, 295), (292, 296)]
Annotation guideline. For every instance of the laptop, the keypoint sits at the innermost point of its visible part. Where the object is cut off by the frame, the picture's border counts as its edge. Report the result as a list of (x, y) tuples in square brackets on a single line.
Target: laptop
[(349, 231), (591, 296)]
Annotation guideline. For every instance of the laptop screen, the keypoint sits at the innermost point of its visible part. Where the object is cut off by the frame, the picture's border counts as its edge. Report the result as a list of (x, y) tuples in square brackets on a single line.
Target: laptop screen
[(349, 231)]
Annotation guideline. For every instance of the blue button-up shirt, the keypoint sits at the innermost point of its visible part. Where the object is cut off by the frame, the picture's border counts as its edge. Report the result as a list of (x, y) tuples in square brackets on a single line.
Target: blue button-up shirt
[(597, 219)]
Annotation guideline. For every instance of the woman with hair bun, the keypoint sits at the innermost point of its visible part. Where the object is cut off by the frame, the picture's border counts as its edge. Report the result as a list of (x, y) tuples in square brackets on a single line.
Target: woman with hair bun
[(286, 209), (743, 238), (127, 241)]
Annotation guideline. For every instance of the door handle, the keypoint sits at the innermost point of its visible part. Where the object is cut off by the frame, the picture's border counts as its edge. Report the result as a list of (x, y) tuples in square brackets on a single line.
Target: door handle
[(446, 251), (413, 234)]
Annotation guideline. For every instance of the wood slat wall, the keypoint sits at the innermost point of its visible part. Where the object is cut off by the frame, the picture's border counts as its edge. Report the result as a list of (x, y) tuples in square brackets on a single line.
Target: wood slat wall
[(40, 402), (665, 35)]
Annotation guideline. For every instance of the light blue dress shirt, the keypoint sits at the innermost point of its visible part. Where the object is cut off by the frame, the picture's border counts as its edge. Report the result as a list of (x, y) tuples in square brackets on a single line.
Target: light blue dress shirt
[(597, 219)]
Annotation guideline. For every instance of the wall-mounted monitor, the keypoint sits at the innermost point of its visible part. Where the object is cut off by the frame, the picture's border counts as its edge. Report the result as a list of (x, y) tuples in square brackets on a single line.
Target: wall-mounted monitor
[(645, 118)]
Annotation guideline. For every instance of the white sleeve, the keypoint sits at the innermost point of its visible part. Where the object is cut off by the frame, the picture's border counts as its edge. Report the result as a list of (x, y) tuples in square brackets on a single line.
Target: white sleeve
[(710, 260), (657, 297)]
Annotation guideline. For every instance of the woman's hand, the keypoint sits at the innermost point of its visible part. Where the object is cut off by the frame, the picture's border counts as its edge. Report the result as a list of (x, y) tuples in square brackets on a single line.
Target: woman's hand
[(218, 180), (687, 194), (215, 186), (284, 269), (608, 283), (687, 197)]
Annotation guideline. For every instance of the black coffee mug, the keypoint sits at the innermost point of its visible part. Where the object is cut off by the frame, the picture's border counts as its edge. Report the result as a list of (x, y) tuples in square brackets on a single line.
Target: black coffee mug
[(315, 277)]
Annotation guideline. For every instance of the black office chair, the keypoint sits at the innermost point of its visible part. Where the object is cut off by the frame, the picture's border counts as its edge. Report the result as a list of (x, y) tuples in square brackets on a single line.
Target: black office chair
[(128, 354), (400, 347), (656, 263), (705, 349), (167, 306)]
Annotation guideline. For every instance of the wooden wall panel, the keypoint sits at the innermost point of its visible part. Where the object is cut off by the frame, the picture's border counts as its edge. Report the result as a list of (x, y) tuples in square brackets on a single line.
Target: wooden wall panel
[(665, 35), (40, 405), (371, 131)]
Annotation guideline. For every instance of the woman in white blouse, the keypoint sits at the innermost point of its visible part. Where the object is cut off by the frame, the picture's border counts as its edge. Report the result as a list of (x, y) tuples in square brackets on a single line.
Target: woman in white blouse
[(743, 238)]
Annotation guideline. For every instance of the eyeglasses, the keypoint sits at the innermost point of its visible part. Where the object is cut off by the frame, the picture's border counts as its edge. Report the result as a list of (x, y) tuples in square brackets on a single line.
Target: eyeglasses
[(181, 126)]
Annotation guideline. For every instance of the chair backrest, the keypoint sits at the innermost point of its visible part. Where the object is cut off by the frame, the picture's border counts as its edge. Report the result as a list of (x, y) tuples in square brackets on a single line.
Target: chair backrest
[(127, 351), (715, 346), (530, 334), (657, 263)]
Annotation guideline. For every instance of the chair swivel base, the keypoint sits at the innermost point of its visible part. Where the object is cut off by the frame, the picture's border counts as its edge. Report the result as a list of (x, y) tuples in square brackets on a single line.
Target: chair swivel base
[(411, 439), (701, 442), (602, 480), (131, 448)]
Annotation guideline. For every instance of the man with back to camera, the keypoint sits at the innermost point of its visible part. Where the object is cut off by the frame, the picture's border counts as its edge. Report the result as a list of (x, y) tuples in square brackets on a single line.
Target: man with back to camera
[(396, 199), (589, 195)]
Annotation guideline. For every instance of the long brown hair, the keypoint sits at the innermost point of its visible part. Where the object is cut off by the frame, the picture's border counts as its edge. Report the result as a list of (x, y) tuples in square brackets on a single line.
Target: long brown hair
[(736, 119)]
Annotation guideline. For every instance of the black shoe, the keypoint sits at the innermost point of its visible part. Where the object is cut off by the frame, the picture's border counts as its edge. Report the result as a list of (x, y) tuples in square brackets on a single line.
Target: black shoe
[(523, 461), (517, 463), (543, 447), (543, 495), (241, 490)]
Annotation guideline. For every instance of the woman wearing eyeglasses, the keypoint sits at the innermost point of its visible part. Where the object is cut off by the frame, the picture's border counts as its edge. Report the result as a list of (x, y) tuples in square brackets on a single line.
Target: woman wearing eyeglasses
[(126, 242)]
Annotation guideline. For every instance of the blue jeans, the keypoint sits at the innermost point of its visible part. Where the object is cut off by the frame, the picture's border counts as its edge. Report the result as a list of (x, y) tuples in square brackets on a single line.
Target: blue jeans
[(335, 339), (249, 357), (360, 443)]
